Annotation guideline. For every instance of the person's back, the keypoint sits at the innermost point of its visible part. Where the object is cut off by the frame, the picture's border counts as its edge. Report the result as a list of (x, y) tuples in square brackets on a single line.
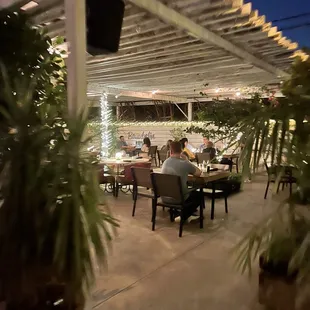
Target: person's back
[(180, 167), (176, 166)]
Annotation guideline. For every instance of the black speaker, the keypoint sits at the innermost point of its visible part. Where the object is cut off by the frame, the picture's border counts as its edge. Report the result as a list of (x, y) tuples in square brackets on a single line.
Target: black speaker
[(104, 19)]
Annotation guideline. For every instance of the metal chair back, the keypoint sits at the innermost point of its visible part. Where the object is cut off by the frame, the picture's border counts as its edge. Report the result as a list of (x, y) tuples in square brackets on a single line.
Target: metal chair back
[(202, 157), (142, 176), (168, 186)]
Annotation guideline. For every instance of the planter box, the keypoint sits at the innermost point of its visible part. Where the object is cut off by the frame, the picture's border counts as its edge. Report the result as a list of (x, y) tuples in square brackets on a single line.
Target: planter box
[(277, 292)]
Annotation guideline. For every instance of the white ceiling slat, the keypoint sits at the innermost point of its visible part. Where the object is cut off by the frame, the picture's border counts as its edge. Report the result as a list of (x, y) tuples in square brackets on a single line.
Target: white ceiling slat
[(173, 17), (178, 46)]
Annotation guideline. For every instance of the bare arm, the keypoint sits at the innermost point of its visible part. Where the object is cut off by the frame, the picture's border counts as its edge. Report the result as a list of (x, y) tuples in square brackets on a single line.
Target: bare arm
[(197, 172)]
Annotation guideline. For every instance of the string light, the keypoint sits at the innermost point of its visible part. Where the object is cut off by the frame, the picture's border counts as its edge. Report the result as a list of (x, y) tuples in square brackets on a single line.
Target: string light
[(105, 123)]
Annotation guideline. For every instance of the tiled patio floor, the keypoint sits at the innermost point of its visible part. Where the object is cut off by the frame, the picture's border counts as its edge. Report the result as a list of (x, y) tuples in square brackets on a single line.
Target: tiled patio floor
[(158, 270)]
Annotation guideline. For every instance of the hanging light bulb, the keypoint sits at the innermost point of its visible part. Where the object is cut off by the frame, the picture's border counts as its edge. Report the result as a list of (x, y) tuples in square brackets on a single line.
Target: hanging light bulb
[(238, 93), (217, 90)]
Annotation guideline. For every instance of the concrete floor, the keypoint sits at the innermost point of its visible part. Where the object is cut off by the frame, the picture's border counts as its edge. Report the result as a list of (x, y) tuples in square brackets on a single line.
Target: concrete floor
[(160, 271)]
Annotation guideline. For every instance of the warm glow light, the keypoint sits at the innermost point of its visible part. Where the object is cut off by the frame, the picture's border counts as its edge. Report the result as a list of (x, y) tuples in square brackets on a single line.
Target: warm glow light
[(119, 155), (154, 92), (116, 96), (217, 90), (238, 93), (29, 5)]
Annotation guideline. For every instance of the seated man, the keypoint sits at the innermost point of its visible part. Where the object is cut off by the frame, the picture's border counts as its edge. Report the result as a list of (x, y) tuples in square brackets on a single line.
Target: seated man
[(204, 145), (176, 166), (123, 146), (210, 150)]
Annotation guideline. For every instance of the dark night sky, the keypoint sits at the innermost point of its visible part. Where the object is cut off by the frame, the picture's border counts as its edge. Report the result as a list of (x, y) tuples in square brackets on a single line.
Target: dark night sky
[(276, 9)]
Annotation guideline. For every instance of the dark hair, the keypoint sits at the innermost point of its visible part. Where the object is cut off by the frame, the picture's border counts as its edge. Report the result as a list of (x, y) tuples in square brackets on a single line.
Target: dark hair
[(168, 144), (147, 141), (175, 147), (182, 141), (121, 137)]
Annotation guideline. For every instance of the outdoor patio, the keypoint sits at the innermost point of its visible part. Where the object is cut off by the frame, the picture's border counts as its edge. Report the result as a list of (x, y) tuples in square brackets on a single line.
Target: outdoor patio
[(159, 270)]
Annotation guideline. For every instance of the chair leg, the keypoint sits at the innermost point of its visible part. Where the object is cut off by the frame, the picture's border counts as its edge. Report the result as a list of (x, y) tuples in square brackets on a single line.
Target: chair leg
[(226, 207), (283, 185), (135, 196), (213, 201), (291, 188), (201, 214), (171, 215), (116, 189), (266, 192), (154, 216), (278, 188), (181, 224), (155, 161)]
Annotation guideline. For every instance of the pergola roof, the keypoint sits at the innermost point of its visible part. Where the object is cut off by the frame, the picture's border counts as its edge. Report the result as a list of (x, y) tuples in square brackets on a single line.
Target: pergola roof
[(180, 48)]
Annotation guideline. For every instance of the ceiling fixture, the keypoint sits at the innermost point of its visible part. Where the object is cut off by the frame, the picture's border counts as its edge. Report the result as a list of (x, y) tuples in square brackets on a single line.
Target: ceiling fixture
[(29, 5)]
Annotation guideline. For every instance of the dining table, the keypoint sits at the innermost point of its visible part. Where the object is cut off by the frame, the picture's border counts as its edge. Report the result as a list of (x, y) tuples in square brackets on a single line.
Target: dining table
[(122, 162), (200, 182)]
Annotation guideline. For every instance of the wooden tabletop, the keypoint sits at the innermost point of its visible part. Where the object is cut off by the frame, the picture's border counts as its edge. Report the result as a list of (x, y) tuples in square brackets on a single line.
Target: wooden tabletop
[(205, 177), (124, 161), (231, 155)]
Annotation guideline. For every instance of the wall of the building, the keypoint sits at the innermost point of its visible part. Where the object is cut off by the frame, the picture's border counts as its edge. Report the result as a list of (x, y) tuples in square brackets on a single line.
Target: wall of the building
[(159, 133)]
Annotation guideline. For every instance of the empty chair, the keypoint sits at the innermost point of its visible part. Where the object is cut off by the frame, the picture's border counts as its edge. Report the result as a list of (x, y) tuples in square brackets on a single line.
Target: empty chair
[(162, 156), (127, 179), (169, 187), (141, 178), (214, 190), (286, 177), (107, 179), (153, 153), (202, 157)]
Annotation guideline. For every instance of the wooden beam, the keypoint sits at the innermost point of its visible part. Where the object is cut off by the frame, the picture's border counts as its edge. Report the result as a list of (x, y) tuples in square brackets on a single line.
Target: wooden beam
[(97, 88), (182, 22), (76, 62)]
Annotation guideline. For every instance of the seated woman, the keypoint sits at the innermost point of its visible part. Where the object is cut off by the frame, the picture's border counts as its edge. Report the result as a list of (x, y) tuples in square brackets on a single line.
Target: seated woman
[(185, 151), (145, 149), (166, 148)]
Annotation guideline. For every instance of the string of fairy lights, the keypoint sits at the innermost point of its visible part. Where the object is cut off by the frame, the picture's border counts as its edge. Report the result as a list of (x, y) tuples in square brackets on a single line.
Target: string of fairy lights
[(106, 114)]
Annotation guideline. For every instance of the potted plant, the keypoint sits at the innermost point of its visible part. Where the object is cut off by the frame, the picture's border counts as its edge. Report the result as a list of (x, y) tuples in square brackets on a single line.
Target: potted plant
[(281, 240), (55, 228)]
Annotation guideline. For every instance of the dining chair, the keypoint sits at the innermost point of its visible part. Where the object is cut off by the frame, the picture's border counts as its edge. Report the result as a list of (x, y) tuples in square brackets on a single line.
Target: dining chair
[(106, 179), (162, 156), (153, 153), (202, 157), (141, 178), (170, 187), (286, 177), (127, 178)]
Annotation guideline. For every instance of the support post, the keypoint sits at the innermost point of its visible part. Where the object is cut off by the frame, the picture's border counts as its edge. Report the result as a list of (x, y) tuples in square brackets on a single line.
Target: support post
[(118, 112), (76, 62), (190, 111)]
